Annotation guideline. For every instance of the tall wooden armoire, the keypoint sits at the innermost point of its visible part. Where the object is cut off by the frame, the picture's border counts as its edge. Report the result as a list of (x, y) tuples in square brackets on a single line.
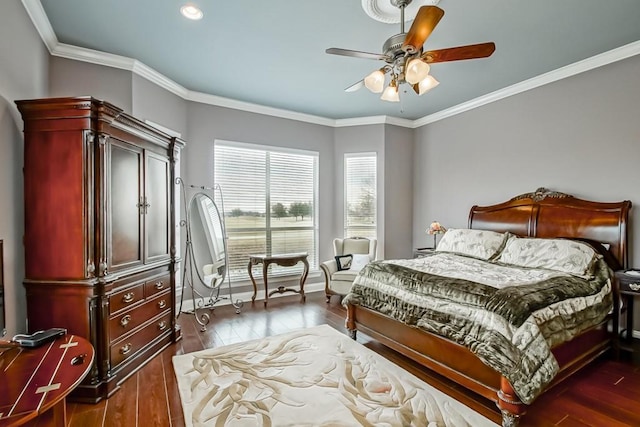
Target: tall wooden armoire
[(100, 240)]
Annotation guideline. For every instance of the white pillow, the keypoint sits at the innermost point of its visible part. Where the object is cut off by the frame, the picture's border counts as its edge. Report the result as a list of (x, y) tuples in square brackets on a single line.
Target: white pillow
[(563, 255), (481, 244), (359, 261)]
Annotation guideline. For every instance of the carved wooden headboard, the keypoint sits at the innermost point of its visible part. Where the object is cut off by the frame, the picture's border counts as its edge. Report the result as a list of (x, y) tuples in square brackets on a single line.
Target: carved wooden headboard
[(546, 213)]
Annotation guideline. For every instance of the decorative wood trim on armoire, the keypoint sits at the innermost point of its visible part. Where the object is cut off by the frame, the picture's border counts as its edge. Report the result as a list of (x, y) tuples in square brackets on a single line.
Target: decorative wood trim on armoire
[(100, 239)]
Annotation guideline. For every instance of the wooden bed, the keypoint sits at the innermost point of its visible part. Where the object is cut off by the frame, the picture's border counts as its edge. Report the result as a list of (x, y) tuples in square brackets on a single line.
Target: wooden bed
[(543, 214)]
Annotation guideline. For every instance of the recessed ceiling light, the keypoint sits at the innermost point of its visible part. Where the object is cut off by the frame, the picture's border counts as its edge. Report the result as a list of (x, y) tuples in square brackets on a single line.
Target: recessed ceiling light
[(191, 11)]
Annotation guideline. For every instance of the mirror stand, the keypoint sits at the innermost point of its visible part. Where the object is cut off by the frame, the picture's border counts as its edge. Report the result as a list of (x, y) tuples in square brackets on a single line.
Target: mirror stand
[(206, 258)]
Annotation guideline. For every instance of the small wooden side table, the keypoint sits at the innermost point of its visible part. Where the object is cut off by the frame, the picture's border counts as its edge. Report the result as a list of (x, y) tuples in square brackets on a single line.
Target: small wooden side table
[(629, 288), (36, 381), (283, 260)]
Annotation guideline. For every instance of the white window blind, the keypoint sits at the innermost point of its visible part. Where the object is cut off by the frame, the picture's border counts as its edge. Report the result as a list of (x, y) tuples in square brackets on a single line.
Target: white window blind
[(360, 195), (270, 197)]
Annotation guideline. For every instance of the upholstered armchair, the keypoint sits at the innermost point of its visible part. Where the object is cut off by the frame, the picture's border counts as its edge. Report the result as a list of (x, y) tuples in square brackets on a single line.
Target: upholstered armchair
[(338, 281)]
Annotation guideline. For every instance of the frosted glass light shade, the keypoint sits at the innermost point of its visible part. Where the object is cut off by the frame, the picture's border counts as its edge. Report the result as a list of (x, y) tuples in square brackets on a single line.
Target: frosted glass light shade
[(391, 93), (375, 81), (427, 84), (416, 71)]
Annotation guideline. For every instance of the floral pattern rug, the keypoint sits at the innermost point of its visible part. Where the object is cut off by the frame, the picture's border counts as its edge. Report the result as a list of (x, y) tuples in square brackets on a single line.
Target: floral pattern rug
[(311, 377)]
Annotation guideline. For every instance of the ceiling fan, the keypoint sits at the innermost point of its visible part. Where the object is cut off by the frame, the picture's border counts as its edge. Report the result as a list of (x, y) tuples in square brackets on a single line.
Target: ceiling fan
[(405, 59)]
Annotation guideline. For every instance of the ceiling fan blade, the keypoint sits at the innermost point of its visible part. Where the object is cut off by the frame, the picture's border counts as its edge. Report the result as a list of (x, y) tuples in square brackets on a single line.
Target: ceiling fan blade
[(354, 87), (424, 23), (355, 53), (472, 51)]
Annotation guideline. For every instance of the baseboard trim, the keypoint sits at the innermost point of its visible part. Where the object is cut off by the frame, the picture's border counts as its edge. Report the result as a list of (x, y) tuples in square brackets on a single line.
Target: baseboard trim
[(245, 297)]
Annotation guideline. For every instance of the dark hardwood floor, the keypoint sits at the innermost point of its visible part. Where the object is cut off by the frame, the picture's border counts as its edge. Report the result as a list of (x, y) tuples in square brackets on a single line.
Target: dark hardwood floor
[(605, 394)]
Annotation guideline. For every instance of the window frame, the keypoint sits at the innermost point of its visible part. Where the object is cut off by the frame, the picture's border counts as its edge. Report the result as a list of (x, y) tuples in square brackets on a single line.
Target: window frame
[(268, 230), (345, 226)]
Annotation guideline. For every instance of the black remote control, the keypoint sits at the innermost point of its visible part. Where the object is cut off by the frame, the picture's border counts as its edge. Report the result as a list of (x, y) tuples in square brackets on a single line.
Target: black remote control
[(38, 338)]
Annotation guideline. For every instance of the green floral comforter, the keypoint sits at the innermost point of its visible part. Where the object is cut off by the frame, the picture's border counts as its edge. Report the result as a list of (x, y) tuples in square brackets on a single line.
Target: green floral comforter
[(509, 317)]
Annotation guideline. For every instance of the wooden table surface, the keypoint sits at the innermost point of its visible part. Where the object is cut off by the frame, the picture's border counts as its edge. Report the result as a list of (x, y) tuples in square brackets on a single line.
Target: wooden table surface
[(35, 380)]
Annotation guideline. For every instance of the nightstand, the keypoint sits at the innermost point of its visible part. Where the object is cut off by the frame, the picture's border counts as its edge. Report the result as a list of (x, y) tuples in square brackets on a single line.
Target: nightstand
[(629, 288), (420, 252)]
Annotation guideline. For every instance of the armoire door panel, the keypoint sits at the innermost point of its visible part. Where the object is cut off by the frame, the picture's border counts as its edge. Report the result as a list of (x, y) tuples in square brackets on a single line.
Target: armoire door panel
[(156, 216), (55, 205), (126, 202)]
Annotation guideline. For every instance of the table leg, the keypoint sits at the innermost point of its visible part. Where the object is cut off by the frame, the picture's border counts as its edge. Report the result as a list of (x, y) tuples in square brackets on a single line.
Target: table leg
[(253, 281), (629, 318), (305, 272), (265, 269)]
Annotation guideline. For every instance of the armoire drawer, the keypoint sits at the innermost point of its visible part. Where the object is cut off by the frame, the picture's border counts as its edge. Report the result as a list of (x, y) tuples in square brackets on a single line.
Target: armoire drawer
[(127, 321), (126, 298), (129, 346), (156, 285)]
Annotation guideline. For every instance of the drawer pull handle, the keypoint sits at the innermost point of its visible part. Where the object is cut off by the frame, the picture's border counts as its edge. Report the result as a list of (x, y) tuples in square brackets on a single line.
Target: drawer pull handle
[(125, 320), (162, 304), (634, 287), (126, 348), (128, 297), (159, 285), (162, 325)]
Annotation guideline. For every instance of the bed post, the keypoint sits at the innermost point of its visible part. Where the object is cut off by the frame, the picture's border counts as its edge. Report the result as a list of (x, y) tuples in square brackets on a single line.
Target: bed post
[(350, 321), (509, 404)]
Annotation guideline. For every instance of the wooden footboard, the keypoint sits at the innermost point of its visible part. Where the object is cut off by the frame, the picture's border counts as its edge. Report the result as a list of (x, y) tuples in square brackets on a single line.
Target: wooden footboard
[(460, 365)]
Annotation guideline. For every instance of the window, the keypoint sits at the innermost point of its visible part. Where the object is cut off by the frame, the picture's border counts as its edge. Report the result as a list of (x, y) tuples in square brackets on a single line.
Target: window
[(270, 196), (360, 195)]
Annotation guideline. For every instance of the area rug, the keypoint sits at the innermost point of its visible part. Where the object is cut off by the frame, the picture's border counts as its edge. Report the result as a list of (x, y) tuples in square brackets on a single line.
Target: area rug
[(311, 377)]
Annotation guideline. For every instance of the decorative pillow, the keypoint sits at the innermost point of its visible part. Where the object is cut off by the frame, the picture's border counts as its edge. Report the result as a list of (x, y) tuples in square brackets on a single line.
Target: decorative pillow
[(563, 255), (359, 261), (344, 262), (481, 244)]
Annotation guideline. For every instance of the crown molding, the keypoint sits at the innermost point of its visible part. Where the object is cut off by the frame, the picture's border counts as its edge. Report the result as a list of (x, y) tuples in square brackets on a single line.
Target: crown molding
[(570, 70), (43, 26), (116, 61), (41, 22), (220, 101), (373, 120)]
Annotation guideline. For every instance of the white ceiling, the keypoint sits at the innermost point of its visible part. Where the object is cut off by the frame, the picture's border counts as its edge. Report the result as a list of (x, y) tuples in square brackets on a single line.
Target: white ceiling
[(272, 53)]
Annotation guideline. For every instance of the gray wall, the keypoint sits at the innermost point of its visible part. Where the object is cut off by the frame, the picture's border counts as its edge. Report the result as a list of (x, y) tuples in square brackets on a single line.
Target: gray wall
[(23, 75), (398, 191), (580, 135), (151, 102), (74, 78)]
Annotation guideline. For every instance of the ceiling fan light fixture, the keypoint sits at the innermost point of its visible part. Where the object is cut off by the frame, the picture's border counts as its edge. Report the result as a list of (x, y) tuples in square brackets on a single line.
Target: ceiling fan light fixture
[(427, 84), (416, 71), (391, 94), (191, 11), (375, 81)]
